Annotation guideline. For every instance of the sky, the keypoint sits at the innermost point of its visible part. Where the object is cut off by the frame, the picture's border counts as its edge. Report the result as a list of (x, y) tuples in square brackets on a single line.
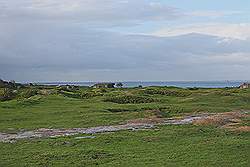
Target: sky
[(124, 40)]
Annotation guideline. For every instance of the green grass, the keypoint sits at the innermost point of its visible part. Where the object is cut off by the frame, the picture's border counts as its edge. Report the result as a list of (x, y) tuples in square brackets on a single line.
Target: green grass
[(169, 146), (58, 111), (86, 107)]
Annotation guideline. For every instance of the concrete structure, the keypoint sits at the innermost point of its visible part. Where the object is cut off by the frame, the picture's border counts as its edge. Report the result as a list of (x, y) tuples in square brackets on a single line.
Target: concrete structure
[(245, 86)]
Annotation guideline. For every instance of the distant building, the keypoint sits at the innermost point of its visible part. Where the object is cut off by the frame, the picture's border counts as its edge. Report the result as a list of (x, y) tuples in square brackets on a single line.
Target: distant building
[(245, 86), (104, 85)]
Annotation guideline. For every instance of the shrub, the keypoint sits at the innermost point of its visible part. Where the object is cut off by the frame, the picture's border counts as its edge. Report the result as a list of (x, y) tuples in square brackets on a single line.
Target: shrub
[(81, 95), (224, 93), (28, 93), (70, 94), (47, 92), (86, 95), (6, 94), (176, 93), (193, 88), (125, 99), (118, 110)]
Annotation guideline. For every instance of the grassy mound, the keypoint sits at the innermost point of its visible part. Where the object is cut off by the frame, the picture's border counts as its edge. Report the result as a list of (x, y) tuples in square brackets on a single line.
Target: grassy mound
[(168, 92), (126, 99)]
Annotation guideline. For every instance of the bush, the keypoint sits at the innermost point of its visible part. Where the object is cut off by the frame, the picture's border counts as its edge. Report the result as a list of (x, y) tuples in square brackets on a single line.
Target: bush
[(118, 110), (224, 93), (193, 88), (47, 92), (28, 93), (81, 95), (6, 94), (129, 99), (70, 94), (176, 93), (86, 95)]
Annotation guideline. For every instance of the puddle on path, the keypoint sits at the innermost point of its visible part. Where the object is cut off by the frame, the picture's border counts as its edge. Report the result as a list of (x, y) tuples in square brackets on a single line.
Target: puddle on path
[(135, 125)]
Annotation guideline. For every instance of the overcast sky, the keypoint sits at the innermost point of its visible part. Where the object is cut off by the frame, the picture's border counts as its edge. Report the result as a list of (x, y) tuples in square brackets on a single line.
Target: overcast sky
[(124, 40)]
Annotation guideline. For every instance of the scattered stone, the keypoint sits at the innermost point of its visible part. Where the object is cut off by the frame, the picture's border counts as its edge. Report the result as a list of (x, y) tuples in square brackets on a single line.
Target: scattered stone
[(219, 119)]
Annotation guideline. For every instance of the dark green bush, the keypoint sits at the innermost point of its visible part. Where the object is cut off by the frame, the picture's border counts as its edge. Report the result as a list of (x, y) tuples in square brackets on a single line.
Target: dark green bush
[(86, 95), (80, 95), (6, 94), (125, 99), (194, 88), (47, 92), (28, 93), (224, 93), (118, 110), (70, 94), (167, 92)]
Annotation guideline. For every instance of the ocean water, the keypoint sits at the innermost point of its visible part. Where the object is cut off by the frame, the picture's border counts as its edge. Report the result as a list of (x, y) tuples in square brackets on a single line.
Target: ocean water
[(182, 84)]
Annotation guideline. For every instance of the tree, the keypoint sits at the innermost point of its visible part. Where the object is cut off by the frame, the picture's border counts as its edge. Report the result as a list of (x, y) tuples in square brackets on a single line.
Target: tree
[(119, 85)]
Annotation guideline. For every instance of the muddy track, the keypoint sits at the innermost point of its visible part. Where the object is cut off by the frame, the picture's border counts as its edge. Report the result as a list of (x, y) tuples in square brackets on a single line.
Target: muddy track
[(221, 119)]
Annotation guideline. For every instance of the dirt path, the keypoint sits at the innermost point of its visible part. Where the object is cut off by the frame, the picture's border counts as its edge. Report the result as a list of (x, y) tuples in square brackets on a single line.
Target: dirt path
[(227, 120)]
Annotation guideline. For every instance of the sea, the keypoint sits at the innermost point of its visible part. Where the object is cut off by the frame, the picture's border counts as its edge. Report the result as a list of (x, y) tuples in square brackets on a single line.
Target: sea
[(181, 84)]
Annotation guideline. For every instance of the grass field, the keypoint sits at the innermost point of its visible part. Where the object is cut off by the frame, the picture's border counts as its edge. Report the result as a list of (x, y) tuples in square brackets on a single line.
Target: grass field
[(180, 145)]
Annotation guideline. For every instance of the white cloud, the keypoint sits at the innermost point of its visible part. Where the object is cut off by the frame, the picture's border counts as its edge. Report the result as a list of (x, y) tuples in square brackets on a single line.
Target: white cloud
[(225, 59), (237, 31), (86, 10), (28, 52), (213, 14), (49, 38), (231, 59)]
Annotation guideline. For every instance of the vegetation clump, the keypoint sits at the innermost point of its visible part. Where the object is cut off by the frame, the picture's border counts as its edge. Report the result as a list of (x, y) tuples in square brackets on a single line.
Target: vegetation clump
[(6, 94), (126, 99), (29, 93), (83, 94), (10, 84), (69, 94), (167, 92), (90, 94), (119, 110), (52, 109)]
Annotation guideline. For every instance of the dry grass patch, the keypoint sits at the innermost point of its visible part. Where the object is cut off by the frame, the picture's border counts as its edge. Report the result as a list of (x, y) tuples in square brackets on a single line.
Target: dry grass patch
[(242, 129), (152, 117), (228, 120)]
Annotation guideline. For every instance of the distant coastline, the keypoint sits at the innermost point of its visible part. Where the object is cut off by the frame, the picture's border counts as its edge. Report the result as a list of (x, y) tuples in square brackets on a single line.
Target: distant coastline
[(182, 84)]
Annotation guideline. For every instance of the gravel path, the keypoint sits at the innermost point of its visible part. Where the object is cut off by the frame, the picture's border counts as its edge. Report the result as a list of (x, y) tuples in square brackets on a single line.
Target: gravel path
[(45, 133)]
